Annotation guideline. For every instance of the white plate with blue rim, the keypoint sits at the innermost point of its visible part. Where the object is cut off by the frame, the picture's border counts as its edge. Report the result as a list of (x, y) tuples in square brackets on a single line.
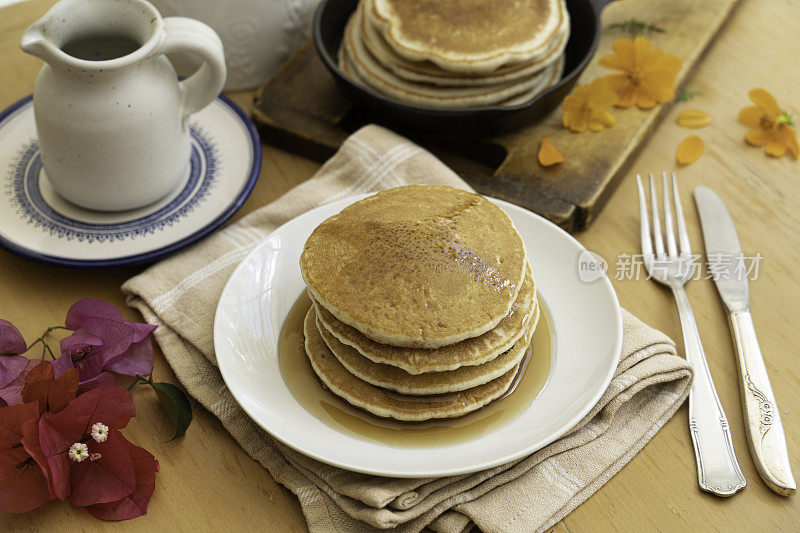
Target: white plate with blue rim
[(586, 339), (36, 223)]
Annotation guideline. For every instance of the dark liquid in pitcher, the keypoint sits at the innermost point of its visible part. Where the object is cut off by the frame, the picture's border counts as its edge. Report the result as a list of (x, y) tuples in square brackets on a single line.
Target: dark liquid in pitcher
[(100, 47), (336, 413)]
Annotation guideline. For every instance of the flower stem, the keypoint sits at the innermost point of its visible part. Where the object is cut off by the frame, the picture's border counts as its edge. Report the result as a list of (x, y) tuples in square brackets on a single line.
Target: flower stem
[(45, 347), (140, 379)]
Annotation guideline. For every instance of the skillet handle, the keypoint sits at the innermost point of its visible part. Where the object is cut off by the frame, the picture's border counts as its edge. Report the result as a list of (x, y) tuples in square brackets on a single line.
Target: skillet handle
[(598, 5)]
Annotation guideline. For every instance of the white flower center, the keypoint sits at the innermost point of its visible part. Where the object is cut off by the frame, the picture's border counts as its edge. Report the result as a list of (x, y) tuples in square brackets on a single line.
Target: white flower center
[(99, 432), (78, 452)]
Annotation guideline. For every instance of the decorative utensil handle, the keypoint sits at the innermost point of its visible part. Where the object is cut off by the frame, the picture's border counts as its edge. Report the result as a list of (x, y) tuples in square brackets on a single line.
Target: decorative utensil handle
[(717, 469), (183, 34), (764, 428)]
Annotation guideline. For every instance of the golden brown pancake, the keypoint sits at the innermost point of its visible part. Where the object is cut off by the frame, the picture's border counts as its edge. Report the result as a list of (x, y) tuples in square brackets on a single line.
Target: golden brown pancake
[(557, 69), (383, 79), (469, 352), (427, 72), (468, 35), (398, 380), (417, 266), (390, 404)]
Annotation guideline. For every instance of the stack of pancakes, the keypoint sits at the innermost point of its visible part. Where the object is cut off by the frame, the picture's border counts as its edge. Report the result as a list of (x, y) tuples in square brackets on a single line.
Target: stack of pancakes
[(456, 53), (423, 303)]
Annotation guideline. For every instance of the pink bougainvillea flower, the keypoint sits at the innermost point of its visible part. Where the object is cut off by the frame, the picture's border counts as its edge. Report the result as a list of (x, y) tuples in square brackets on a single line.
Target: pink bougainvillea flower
[(109, 474), (11, 341), (145, 467), (104, 342), (52, 394), (23, 485), (13, 370), (87, 308)]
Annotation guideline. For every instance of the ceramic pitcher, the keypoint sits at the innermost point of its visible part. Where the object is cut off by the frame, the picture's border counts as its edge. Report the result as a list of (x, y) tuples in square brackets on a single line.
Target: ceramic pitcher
[(111, 115)]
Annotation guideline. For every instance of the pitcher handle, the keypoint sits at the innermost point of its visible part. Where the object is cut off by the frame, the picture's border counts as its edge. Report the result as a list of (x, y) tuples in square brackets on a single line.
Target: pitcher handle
[(183, 34)]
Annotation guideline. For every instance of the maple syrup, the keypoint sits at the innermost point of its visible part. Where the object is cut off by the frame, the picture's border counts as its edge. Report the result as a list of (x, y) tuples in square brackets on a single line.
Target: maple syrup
[(309, 391)]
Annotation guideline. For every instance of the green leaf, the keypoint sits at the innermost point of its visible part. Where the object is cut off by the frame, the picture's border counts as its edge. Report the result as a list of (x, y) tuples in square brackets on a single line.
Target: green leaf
[(636, 27), (176, 404), (688, 94)]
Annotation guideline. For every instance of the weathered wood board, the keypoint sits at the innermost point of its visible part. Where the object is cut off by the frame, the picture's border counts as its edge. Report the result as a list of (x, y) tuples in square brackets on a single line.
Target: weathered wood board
[(301, 109)]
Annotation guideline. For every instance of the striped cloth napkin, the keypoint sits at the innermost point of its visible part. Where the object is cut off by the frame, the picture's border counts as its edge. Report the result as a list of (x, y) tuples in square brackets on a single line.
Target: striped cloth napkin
[(180, 294)]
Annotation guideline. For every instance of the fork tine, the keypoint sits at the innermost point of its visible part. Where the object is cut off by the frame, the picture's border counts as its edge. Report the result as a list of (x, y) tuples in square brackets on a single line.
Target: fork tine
[(644, 219), (657, 237), (683, 236), (672, 248)]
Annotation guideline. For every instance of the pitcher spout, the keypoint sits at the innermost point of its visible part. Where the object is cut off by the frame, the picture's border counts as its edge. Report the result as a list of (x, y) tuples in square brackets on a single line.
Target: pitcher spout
[(35, 42)]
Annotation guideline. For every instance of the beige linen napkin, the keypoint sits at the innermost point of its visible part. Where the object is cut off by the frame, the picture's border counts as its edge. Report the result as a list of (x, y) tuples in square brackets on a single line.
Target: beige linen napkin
[(180, 295)]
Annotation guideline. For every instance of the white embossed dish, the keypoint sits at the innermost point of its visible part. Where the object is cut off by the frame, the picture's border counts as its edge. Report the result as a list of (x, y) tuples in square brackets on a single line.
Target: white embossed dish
[(587, 338)]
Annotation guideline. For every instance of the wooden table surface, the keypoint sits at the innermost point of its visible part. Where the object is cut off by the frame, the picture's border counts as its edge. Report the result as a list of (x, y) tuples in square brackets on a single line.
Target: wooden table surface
[(208, 483)]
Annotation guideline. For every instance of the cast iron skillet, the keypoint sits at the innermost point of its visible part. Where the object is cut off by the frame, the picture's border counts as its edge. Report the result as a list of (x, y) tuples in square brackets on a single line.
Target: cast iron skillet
[(329, 22)]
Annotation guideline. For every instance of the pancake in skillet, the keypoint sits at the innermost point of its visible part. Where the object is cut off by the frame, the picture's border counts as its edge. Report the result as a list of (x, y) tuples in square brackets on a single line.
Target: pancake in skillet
[(427, 72), (389, 404), (416, 266), (383, 79), (472, 36), (469, 352)]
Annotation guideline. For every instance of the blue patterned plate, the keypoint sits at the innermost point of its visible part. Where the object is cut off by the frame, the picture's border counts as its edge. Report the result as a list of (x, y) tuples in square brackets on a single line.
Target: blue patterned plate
[(38, 224)]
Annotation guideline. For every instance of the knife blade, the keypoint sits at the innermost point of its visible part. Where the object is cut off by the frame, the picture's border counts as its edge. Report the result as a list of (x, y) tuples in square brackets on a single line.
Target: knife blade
[(726, 264)]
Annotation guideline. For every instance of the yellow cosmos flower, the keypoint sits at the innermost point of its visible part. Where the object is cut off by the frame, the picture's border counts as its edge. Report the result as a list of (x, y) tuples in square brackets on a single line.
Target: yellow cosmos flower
[(647, 74), (585, 107), (771, 127)]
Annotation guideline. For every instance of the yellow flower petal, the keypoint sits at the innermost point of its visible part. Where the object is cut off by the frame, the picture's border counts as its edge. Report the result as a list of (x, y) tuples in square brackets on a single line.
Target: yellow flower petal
[(627, 96), (549, 154), (750, 116), (625, 49), (602, 93), (776, 147), (641, 47), (644, 100), (612, 61), (694, 118), (764, 100), (578, 123), (604, 117), (758, 137), (672, 63), (690, 150), (790, 137), (660, 83), (570, 103)]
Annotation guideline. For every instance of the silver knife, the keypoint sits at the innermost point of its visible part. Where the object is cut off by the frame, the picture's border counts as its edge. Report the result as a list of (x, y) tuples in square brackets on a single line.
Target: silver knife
[(726, 264)]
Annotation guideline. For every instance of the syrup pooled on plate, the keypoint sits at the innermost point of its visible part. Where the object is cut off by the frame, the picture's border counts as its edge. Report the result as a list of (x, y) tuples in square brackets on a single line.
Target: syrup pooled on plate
[(338, 414)]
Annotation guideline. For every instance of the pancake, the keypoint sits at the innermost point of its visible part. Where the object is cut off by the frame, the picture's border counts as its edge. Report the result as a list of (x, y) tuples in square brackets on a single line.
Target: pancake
[(387, 404), (469, 352), (376, 75), (393, 378), (471, 36), (555, 76), (427, 72), (417, 266)]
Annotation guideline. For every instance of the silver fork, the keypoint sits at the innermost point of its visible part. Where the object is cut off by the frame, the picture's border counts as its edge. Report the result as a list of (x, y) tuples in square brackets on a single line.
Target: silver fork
[(717, 469)]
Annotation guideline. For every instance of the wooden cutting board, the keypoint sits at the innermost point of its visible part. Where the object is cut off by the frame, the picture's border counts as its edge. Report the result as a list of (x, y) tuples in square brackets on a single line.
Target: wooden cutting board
[(301, 109)]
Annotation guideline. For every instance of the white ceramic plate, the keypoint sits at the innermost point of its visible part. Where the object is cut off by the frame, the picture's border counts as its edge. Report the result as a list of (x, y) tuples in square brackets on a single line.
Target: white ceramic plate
[(587, 340)]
